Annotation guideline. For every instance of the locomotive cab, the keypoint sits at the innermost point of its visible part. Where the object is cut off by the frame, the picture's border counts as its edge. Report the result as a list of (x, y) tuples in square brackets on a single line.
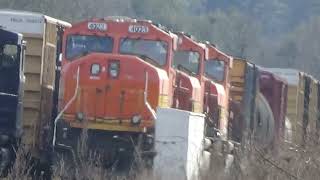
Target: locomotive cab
[(11, 94)]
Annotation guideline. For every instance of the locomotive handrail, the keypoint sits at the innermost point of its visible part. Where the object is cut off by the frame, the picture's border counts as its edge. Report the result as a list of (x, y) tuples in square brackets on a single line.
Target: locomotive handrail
[(65, 108), (145, 93)]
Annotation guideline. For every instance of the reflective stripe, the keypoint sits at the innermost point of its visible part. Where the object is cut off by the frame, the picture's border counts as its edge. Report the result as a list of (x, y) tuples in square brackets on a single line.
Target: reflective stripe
[(196, 107), (108, 124), (107, 127), (163, 101)]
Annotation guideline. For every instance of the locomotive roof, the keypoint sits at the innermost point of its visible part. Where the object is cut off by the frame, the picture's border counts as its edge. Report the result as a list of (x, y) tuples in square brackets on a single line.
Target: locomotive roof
[(191, 39), (219, 54), (123, 20)]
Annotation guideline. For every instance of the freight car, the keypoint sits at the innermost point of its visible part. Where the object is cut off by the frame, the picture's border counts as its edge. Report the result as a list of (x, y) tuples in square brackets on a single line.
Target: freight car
[(275, 90), (251, 113), (115, 72), (12, 48), (295, 99), (42, 34), (302, 104), (313, 112), (244, 90)]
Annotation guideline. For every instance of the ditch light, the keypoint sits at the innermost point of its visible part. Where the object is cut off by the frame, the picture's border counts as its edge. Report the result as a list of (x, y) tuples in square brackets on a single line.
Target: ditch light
[(114, 68)]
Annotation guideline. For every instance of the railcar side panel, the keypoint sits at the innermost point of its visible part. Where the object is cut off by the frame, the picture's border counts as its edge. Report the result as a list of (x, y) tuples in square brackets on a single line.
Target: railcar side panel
[(244, 81), (298, 126), (238, 80), (313, 108)]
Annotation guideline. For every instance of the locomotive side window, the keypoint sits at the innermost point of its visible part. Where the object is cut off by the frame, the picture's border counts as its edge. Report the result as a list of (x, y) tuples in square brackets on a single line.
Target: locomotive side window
[(8, 56), (81, 45), (188, 60), (215, 69), (149, 50), (9, 69)]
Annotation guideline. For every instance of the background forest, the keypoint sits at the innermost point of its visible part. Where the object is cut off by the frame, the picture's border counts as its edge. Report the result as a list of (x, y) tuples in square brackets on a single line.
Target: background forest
[(272, 33)]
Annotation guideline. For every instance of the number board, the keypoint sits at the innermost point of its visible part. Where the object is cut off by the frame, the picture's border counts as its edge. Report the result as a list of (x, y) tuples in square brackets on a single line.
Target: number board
[(97, 26), (138, 29)]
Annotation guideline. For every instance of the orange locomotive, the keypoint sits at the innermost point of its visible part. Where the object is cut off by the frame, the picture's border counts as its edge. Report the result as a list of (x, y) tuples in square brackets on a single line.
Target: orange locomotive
[(203, 78), (217, 87), (189, 83), (115, 73)]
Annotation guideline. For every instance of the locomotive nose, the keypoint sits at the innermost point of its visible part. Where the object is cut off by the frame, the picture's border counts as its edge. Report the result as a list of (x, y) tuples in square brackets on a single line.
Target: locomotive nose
[(114, 89)]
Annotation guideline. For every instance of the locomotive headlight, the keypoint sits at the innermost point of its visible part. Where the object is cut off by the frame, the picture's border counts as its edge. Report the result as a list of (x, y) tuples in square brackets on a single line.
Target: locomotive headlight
[(114, 68), (95, 69), (136, 119)]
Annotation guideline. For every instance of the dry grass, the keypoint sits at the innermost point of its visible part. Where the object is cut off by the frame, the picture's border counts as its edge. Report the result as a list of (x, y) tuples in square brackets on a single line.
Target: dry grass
[(290, 163)]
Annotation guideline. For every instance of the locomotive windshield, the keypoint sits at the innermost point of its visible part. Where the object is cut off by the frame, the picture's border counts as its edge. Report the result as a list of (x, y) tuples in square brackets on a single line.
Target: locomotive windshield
[(215, 69), (187, 60), (81, 45), (149, 50)]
